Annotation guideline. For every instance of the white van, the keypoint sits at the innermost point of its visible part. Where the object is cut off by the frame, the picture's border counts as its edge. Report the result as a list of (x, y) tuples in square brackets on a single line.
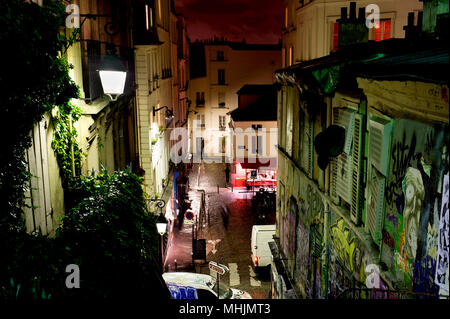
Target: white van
[(261, 236), (187, 285)]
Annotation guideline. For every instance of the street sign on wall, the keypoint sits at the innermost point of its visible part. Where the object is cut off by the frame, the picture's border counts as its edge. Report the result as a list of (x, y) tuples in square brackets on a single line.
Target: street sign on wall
[(189, 217)]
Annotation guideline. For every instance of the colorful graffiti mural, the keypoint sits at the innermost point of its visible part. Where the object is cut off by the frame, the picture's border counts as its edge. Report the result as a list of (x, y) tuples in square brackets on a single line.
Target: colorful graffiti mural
[(346, 246), (414, 248), (411, 226), (302, 260), (442, 268)]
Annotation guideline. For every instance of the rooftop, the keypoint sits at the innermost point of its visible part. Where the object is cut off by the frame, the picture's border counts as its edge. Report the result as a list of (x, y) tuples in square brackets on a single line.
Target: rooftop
[(264, 108), (394, 59)]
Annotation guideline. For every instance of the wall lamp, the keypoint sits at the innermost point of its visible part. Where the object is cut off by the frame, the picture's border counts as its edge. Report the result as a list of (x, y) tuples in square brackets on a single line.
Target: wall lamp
[(112, 71), (112, 74), (169, 113)]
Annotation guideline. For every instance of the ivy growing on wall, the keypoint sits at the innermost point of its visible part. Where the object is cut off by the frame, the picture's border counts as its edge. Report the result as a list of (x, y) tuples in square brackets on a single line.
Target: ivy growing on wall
[(68, 153), (65, 139), (33, 79), (107, 229)]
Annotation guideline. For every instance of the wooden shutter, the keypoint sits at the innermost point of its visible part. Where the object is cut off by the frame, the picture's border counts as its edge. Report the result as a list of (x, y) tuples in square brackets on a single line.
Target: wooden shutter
[(375, 205), (356, 200), (379, 143), (342, 168)]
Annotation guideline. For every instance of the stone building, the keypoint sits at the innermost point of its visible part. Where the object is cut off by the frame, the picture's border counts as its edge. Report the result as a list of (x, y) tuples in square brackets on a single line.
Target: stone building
[(218, 70)]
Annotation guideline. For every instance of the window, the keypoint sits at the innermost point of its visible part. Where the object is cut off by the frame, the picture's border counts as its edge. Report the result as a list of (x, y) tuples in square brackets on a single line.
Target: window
[(283, 57), (306, 142), (335, 38), (257, 145), (291, 55), (222, 144), (159, 10), (222, 122), (200, 99), (346, 168), (221, 76), (147, 20), (286, 13), (220, 56), (382, 30), (221, 99), (200, 120)]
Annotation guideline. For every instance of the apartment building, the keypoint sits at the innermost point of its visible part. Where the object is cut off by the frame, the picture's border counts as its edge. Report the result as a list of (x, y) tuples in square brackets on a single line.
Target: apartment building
[(218, 70), (310, 28), (362, 162)]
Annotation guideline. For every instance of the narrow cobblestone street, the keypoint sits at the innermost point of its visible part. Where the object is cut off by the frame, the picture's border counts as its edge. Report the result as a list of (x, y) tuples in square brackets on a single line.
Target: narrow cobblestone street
[(228, 236)]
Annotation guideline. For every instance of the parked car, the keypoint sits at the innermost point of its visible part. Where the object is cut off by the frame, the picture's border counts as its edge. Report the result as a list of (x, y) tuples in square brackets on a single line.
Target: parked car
[(186, 285), (261, 236)]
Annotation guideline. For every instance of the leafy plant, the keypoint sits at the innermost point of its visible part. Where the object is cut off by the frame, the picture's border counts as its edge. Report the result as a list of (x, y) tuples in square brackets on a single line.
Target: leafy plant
[(34, 79), (113, 237)]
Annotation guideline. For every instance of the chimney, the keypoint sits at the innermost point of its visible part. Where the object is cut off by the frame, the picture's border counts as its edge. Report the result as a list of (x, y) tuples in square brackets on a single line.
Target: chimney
[(352, 29), (412, 31)]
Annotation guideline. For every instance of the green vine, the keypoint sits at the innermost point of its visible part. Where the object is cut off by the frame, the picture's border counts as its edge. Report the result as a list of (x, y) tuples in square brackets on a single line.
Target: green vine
[(64, 139)]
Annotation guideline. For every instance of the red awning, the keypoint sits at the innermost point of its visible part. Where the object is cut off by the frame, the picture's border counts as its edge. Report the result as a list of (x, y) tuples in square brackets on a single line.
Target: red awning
[(263, 163)]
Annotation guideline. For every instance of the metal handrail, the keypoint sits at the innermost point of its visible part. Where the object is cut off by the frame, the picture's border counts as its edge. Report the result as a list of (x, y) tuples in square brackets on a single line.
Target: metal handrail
[(373, 293)]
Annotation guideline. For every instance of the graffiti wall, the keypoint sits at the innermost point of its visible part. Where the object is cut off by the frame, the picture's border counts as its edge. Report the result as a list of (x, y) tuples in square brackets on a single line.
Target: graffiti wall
[(348, 257), (326, 258), (414, 201)]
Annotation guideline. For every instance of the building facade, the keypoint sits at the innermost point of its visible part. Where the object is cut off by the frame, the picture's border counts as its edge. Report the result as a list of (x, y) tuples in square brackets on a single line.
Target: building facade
[(363, 168), (219, 70), (254, 136), (106, 130), (310, 28)]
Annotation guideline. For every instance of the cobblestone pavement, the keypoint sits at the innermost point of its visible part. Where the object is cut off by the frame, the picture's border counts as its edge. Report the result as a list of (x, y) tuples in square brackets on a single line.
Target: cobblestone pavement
[(228, 240)]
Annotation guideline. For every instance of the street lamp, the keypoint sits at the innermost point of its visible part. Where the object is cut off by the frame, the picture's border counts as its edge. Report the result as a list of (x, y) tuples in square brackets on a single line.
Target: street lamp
[(161, 224), (169, 113), (112, 74)]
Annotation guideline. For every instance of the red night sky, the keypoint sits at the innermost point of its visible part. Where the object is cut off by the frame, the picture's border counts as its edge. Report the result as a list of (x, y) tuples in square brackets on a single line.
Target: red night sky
[(258, 21)]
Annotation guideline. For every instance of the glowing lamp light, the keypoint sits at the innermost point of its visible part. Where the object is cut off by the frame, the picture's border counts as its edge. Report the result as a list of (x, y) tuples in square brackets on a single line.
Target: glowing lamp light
[(113, 82), (112, 74), (256, 260), (161, 224)]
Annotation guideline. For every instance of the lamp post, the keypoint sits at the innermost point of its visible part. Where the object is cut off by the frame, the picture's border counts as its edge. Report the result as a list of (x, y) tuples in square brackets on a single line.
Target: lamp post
[(161, 225)]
